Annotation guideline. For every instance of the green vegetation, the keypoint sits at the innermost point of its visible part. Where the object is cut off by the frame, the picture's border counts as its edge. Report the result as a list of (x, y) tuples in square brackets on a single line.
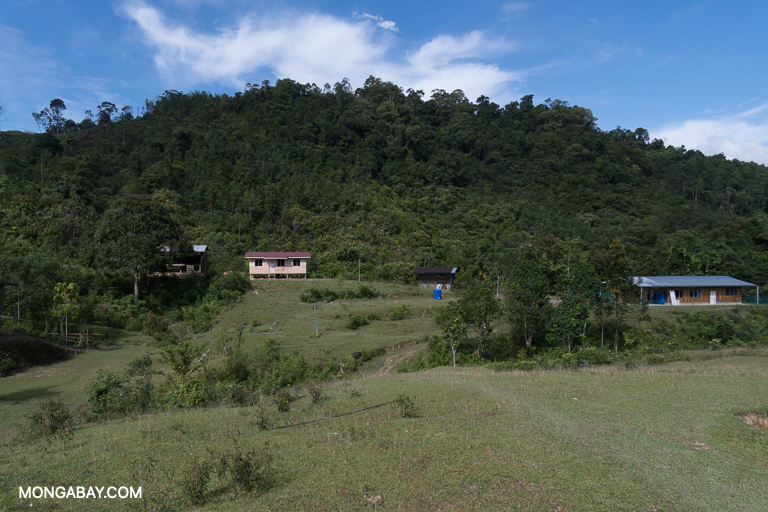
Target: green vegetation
[(593, 439), (377, 181), (570, 397)]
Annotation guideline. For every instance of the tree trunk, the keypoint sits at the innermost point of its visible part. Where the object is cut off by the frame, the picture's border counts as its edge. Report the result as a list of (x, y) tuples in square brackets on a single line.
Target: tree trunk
[(136, 288)]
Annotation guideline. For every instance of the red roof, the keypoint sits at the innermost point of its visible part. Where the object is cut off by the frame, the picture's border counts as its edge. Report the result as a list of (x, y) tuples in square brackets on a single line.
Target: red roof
[(278, 255)]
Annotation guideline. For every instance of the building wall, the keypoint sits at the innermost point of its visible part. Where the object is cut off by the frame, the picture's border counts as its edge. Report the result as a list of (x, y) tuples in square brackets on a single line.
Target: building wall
[(264, 269), (432, 280), (722, 298)]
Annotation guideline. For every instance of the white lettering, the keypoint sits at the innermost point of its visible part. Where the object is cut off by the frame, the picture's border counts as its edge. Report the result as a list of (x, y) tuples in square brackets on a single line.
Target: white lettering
[(80, 492)]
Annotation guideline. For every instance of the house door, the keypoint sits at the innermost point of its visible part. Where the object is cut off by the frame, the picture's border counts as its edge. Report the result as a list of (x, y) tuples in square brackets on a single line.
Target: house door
[(271, 267), (713, 297)]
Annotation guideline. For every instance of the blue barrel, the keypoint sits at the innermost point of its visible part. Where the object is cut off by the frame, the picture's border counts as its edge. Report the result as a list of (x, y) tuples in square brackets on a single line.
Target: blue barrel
[(436, 294)]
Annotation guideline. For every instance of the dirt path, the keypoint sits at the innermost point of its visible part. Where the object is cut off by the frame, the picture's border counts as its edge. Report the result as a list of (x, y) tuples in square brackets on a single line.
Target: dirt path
[(392, 361)]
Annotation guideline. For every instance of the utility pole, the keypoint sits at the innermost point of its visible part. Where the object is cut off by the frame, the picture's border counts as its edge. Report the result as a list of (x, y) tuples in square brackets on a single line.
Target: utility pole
[(317, 333)]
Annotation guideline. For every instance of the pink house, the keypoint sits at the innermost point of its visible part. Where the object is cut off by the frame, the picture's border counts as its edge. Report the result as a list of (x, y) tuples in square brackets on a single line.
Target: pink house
[(272, 264)]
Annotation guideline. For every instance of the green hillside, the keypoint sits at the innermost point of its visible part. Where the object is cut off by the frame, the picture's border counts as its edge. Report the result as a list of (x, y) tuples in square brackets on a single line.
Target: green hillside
[(378, 178)]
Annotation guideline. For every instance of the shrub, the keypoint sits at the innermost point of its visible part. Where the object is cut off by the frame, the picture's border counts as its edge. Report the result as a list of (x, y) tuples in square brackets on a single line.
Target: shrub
[(282, 400), (399, 312), (52, 419), (194, 486), (366, 292), (405, 405), (105, 394), (316, 295), (317, 392), (356, 321), (249, 471)]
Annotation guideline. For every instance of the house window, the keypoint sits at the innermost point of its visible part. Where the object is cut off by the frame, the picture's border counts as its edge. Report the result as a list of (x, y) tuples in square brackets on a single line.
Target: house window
[(679, 294), (695, 294), (280, 263), (296, 263), (257, 263), (732, 292)]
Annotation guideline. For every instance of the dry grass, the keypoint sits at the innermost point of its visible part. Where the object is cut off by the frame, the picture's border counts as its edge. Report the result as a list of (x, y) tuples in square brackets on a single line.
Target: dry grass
[(657, 438)]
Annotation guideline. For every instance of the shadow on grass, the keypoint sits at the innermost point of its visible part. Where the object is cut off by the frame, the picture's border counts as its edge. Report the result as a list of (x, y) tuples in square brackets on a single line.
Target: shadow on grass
[(28, 395)]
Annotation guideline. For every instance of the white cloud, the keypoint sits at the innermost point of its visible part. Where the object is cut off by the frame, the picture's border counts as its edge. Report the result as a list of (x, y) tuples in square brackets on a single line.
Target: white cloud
[(743, 136), (317, 48), (379, 21), (515, 9)]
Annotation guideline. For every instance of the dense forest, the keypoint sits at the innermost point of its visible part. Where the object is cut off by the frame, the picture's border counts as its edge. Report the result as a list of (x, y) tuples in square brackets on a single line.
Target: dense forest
[(379, 175)]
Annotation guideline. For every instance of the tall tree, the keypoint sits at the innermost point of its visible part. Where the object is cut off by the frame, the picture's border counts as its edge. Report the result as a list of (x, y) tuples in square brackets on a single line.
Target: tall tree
[(527, 292), (568, 317), (56, 111), (134, 237), (479, 307), (450, 320), (616, 271)]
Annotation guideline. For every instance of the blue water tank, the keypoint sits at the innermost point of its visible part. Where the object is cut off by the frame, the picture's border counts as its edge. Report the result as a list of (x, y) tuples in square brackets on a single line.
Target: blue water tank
[(436, 294)]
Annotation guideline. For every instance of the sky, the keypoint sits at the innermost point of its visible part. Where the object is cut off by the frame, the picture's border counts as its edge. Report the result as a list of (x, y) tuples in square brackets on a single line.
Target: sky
[(693, 73)]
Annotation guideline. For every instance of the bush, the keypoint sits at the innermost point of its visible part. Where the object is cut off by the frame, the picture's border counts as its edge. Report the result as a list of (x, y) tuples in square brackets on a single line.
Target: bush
[(283, 400), (317, 392), (52, 419), (106, 394), (194, 486), (356, 321), (249, 471), (399, 312), (366, 292), (405, 405), (328, 295), (316, 295)]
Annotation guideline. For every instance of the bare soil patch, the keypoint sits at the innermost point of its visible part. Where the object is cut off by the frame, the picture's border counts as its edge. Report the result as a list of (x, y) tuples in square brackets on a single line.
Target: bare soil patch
[(754, 419)]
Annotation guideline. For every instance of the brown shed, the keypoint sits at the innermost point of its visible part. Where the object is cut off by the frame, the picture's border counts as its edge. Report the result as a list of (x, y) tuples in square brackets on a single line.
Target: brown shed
[(437, 278)]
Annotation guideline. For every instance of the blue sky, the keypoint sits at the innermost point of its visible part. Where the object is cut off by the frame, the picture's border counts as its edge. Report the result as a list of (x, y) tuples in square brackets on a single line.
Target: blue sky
[(692, 73)]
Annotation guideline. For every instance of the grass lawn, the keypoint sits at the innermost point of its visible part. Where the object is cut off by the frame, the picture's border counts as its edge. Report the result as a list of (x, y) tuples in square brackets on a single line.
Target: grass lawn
[(656, 438), (665, 437)]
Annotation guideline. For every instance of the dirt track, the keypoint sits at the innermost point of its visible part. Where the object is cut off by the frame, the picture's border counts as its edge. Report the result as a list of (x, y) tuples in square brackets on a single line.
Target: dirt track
[(392, 360)]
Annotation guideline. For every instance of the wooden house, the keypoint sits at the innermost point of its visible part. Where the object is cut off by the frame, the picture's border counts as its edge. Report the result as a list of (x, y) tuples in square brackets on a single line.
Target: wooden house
[(273, 264), (691, 290), (190, 260), (437, 278)]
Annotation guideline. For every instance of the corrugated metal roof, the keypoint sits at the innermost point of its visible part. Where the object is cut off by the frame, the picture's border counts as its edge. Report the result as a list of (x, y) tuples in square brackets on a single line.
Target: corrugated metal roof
[(279, 255), (199, 248), (435, 270), (687, 281)]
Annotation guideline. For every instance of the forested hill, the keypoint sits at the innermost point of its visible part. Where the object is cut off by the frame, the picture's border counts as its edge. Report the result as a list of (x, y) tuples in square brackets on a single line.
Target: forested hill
[(391, 177)]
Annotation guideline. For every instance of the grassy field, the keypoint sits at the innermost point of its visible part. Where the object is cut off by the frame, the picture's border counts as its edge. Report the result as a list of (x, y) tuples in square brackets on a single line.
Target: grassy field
[(276, 311), (655, 438), (665, 437)]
